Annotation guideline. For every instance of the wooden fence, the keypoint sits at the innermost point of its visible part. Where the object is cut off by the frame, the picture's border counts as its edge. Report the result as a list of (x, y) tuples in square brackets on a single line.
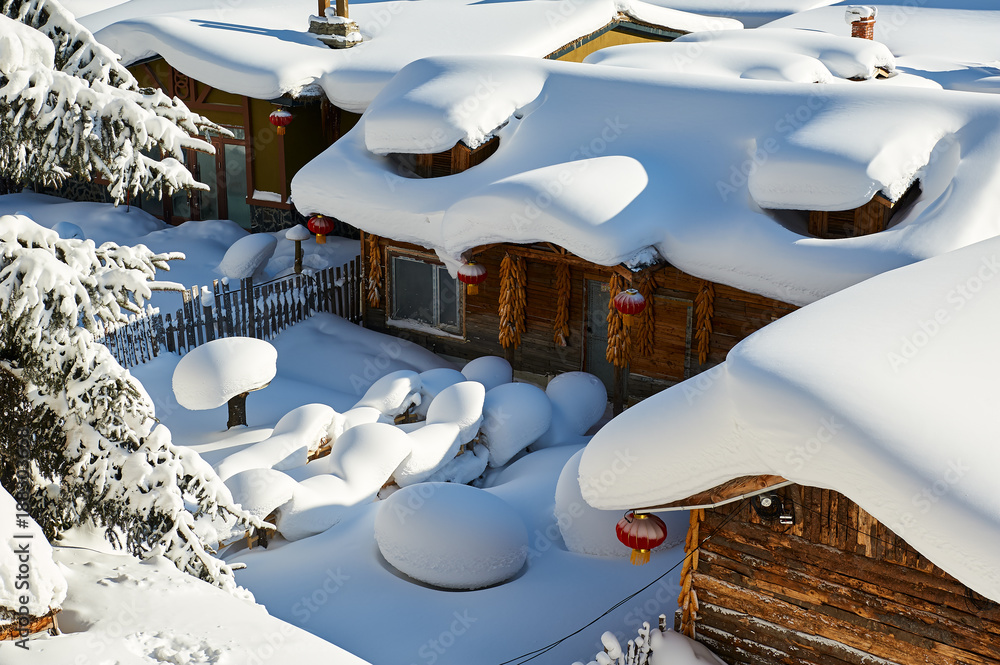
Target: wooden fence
[(246, 309)]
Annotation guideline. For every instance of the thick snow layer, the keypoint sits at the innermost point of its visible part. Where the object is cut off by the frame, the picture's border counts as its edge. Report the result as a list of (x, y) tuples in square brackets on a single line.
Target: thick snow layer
[(271, 54), (514, 416), (750, 14), (896, 413), (215, 372), (394, 393), (362, 460), (296, 434), (461, 404), (432, 447), (451, 536), (433, 382), (123, 611), (579, 401), (941, 40), (261, 490), (42, 586), (670, 648), (247, 256), (491, 371), (590, 160), (776, 55)]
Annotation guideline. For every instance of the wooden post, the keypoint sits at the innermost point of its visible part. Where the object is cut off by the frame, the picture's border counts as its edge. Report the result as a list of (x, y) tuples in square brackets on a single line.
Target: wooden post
[(342, 9), (321, 7), (298, 257), (237, 411)]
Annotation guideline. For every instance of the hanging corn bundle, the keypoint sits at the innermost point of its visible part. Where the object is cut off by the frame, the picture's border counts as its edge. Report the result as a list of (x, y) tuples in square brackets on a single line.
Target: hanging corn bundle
[(374, 271), (560, 325), (513, 277), (688, 600), (704, 307), (644, 324), (619, 345)]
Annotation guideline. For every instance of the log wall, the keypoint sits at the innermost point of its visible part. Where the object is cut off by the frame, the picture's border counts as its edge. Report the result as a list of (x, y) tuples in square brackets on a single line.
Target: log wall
[(835, 588), (737, 315)]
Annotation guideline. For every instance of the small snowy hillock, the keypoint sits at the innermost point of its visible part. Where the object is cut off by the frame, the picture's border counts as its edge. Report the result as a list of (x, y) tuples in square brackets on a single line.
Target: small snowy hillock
[(896, 413)]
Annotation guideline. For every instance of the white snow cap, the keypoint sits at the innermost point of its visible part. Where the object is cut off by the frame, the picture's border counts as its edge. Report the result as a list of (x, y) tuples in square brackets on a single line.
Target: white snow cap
[(451, 536), (491, 371), (247, 256), (859, 12), (461, 404), (46, 584), (896, 413), (514, 416), (273, 57), (706, 204), (215, 372), (298, 232)]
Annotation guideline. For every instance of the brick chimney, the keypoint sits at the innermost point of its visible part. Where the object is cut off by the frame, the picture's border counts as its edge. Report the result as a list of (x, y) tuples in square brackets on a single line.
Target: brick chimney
[(335, 28), (862, 20)]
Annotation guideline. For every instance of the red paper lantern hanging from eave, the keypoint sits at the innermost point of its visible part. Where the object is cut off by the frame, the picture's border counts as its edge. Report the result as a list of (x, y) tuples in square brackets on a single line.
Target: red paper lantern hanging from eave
[(642, 533), (472, 274), (629, 303), (280, 118), (320, 225)]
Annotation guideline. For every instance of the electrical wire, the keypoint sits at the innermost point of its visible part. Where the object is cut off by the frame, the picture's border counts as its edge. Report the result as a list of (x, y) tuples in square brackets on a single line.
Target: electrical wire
[(531, 655)]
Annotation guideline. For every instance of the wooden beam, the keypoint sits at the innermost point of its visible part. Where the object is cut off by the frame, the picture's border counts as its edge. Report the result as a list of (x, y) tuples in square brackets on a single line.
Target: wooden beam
[(729, 491)]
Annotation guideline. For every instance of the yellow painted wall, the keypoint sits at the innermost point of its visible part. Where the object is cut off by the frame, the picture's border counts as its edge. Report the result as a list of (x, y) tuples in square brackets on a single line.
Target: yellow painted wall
[(264, 141), (609, 38)]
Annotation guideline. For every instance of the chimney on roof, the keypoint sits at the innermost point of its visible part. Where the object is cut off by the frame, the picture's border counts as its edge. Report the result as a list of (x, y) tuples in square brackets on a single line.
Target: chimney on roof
[(862, 20), (333, 27)]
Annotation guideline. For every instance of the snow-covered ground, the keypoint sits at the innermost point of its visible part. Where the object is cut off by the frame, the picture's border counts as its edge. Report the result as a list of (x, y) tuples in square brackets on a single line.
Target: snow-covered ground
[(336, 584)]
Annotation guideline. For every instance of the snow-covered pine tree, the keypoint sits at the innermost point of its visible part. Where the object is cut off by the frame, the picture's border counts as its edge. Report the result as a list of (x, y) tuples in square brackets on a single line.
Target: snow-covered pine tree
[(68, 108), (94, 453)]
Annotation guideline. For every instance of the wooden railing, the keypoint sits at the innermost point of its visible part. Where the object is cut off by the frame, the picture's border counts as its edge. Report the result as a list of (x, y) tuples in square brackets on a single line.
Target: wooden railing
[(246, 309)]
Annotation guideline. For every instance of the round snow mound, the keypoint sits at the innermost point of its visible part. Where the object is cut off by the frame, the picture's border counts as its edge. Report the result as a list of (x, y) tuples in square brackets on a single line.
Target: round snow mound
[(215, 372), (451, 536), (247, 255), (491, 371)]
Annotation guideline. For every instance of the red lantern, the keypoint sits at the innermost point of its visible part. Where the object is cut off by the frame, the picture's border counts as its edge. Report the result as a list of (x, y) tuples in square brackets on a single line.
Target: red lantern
[(642, 533), (629, 302), (280, 118), (472, 275), (320, 225)]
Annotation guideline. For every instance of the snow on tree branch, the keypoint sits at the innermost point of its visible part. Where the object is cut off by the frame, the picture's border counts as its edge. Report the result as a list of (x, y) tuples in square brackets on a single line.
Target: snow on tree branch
[(97, 454), (70, 109)]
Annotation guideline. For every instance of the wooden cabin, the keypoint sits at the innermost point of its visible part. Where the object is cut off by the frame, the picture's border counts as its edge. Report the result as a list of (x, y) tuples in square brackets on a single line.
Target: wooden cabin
[(801, 575), (875, 216), (688, 326)]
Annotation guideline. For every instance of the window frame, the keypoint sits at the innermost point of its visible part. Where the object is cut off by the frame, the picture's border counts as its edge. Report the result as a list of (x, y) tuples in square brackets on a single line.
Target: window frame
[(451, 332)]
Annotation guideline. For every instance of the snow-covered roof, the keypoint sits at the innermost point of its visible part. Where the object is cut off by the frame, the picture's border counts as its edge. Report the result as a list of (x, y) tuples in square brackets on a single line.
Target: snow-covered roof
[(256, 49), (884, 392), (952, 42), (606, 161)]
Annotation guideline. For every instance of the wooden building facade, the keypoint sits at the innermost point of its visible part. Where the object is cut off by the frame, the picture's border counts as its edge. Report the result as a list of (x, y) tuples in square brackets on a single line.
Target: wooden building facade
[(688, 326), (803, 576)]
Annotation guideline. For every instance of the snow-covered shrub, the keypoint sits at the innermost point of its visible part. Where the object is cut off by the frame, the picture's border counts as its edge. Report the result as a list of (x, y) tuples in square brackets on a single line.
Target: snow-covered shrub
[(658, 646), (68, 108), (89, 450)]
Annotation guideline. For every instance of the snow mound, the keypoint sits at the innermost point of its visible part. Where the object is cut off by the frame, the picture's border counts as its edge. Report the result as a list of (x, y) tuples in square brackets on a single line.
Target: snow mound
[(432, 447), (491, 371), (46, 584), (215, 372), (461, 404), (394, 393), (362, 460), (451, 536), (260, 491), (579, 400), (432, 382), (465, 468), (670, 648), (515, 415), (69, 230), (247, 256), (297, 433)]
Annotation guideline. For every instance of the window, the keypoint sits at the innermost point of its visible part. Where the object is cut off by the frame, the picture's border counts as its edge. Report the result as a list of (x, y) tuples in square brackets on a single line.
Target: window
[(424, 293), (225, 173)]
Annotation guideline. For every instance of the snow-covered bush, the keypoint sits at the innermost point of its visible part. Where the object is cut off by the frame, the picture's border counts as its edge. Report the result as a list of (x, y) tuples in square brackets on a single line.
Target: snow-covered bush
[(88, 449), (654, 647), (68, 108)]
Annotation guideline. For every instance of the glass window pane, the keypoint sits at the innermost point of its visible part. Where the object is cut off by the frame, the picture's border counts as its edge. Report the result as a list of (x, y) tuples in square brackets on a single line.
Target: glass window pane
[(207, 175), (236, 184), (180, 205), (448, 299), (412, 290)]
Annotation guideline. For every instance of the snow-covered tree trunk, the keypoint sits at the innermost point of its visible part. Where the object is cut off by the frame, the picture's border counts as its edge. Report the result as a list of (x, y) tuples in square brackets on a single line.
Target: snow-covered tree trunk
[(68, 108), (95, 453)]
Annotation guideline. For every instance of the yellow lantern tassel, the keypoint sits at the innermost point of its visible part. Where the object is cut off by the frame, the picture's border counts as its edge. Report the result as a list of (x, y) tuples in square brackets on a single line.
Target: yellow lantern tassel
[(471, 289), (320, 238), (639, 557)]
